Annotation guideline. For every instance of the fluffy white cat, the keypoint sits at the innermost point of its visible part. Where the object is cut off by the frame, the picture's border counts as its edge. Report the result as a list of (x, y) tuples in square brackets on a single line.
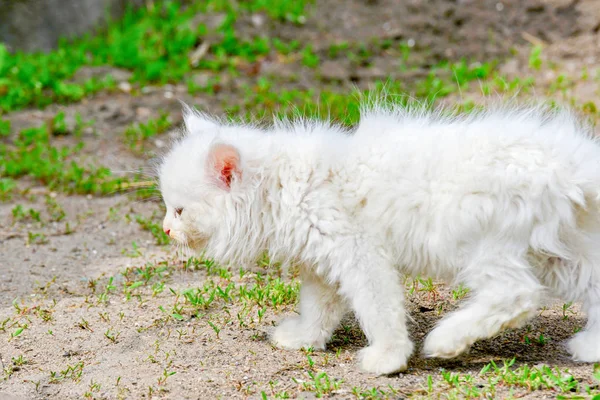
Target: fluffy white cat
[(505, 201)]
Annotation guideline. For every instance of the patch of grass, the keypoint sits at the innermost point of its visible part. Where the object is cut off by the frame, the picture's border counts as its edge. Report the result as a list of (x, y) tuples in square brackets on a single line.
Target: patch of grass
[(19, 361), (535, 57), (94, 387), (309, 58), (55, 211), (265, 292), (518, 380), (111, 335), (137, 134), (36, 238), (283, 10), (4, 127), (423, 285), (447, 78), (146, 274), (72, 372), (19, 213), (33, 155), (264, 99), (154, 42), (566, 309), (58, 125), (375, 393), (7, 186), (319, 383), (460, 292), (154, 228)]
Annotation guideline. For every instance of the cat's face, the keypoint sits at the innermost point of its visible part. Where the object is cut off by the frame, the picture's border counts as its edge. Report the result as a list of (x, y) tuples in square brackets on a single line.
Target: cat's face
[(194, 179)]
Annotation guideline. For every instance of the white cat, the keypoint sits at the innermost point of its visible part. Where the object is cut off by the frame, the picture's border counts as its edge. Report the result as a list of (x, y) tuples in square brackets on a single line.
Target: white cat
[(505, 201)]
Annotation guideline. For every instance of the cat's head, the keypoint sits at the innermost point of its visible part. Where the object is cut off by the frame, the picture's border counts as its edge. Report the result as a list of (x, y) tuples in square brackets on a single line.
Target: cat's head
[(195, 178)]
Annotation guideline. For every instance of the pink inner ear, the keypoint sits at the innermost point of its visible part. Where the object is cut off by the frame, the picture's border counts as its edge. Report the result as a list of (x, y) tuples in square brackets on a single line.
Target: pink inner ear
[(225, 161)]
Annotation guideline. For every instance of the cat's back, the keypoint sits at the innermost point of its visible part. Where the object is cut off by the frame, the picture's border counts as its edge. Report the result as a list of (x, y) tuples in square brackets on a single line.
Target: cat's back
[(433, 143), (428, 162)]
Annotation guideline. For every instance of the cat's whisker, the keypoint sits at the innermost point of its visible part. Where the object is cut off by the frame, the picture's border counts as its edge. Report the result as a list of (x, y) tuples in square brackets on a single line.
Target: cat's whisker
[(144, 200), (149, 171), (133, 187)]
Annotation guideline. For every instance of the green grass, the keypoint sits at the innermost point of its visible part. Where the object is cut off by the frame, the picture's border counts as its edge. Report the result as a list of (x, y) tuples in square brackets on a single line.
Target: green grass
[(154, 228), (520, 379), (137, 134), (156, 42), (4, 127), (494, 381), (33, 155), (153, 42)]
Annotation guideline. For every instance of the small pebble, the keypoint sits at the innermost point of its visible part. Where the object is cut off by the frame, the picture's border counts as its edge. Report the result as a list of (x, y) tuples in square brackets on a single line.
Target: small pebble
[(125, 87)]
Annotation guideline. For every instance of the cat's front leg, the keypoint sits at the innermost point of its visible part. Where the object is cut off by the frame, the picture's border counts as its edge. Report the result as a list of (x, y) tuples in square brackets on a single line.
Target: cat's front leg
[(373, 288), (321, 310)]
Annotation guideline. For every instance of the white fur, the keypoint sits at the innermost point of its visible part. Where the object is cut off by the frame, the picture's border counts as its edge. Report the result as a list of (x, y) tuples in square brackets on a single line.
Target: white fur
[(504, 201)]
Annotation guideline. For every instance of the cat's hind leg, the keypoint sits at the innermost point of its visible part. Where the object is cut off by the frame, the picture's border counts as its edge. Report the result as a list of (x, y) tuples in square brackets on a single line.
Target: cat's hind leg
[(321, 310), (579, 280), (585, 345), (505, 295)]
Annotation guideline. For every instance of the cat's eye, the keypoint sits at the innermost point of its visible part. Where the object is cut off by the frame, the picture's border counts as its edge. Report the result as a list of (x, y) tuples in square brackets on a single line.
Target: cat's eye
[(178, 211)]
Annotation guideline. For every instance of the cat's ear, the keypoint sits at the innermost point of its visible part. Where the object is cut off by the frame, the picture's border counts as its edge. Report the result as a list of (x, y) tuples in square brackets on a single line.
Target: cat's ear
[(197, 122), (223, 164)]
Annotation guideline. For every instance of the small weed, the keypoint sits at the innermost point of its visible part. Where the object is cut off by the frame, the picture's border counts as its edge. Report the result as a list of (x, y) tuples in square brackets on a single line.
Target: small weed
[(83, 324), (535, 58), (134, 253), (4, 127), (154, 228), (94, 387), (137, 134), (541, 340), (103, 297), (55, 210), (163, 379), (111, 335), (214, 327), (320, 384), (72, 372), (7, 186), (58, 125), (460, 292), (19, 361), (309, 57), (36, 238)]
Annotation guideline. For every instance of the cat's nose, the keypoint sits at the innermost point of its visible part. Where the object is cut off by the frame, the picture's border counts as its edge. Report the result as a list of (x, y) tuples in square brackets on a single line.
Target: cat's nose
[(167, 232)]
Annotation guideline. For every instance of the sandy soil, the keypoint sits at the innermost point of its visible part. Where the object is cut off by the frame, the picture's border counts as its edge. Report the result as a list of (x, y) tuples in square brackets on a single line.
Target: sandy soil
[(78, 341)]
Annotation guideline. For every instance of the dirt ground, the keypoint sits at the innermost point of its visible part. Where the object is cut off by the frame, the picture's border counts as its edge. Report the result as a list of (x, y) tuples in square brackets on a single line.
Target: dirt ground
[(79, 342)]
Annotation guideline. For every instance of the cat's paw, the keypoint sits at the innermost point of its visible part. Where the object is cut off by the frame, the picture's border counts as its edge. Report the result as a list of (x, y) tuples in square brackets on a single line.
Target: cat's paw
[(291, 334), (585, 347), (444, 343), (382, 360)]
